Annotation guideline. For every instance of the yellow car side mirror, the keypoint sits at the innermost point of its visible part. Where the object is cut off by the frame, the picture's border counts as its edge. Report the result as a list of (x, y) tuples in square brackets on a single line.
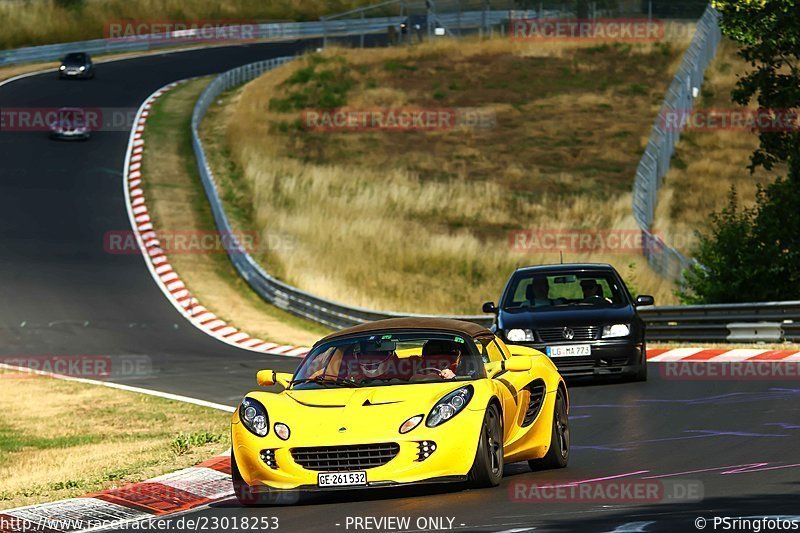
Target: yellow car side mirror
[(518, 363), (268, 378)]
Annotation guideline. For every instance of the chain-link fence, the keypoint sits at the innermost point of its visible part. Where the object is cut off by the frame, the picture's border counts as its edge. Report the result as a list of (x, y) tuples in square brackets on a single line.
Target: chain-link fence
[(416, 20), (655, 162)]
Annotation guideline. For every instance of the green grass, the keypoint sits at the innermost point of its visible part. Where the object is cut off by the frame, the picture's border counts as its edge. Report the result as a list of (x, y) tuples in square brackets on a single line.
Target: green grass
[(81, 438), (12, 440)]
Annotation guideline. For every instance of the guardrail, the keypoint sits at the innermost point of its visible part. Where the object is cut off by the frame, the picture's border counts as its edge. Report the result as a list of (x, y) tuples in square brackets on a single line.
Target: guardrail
[(769, 321), (655, 162), (266, 31), (679, 323)]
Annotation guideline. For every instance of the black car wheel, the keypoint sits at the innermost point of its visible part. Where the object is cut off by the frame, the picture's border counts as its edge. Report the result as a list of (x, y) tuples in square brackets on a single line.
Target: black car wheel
[(487, 469), (641, 373), (558, 454)]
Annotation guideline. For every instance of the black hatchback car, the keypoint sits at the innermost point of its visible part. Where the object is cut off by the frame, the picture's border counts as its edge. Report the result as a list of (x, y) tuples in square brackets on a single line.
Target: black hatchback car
[(581, 315), (76, 65)]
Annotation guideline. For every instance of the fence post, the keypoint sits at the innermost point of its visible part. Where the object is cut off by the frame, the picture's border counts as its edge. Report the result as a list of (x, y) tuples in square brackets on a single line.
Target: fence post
[(363, 28)]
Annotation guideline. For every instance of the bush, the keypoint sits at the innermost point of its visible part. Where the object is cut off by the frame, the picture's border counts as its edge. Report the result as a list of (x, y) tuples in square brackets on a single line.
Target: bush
[(750, 255)]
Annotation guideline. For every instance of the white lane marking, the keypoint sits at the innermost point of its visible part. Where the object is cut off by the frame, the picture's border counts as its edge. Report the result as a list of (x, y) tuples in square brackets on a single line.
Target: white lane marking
[(633, 527), (736, 355), (674, 355), (120, 386)]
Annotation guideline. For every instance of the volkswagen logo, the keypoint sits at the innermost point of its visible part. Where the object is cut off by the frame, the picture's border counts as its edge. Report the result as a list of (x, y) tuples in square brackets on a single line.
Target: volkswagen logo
[(568, 334)]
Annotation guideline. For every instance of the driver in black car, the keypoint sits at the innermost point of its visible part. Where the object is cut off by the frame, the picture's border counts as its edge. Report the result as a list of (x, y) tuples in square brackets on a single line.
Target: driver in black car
[(592, 291)]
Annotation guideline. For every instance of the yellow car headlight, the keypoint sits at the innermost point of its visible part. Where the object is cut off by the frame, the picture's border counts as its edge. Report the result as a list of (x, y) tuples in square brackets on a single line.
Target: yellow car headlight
[(449, 406), (254, 417)]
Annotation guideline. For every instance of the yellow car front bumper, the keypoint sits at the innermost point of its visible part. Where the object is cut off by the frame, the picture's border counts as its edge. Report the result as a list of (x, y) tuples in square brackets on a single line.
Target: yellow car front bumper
[(455, 444)]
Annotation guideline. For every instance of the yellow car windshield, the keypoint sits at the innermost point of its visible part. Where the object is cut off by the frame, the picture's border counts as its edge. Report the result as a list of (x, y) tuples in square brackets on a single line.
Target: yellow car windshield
[(390, 359)]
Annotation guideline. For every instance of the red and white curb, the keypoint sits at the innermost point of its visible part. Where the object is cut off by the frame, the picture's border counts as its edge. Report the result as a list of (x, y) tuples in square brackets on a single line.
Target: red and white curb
[(169, 494), (721, 355), (157, 261)]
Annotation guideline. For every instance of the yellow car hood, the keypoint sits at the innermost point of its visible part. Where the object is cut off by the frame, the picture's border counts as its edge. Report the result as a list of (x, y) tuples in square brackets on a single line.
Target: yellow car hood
[(423, 394), (318, 416)]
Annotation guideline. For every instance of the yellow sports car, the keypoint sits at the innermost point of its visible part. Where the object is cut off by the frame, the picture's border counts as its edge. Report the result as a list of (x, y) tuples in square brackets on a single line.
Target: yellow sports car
[(395, 402)]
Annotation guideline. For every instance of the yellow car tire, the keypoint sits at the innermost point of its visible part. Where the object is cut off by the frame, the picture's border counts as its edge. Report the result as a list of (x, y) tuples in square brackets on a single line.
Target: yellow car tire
[(487, 469)]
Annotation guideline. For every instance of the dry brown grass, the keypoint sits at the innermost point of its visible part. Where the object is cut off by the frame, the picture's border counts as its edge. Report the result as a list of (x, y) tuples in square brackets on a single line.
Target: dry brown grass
[(24, 23), (420, 221), (708, 163), (177, 203), (62, 439)]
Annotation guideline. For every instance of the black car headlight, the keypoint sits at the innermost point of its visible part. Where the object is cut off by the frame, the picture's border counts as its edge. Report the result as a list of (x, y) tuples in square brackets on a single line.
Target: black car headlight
[(254, 417), (449, 406), (613, 331), (520, 335)]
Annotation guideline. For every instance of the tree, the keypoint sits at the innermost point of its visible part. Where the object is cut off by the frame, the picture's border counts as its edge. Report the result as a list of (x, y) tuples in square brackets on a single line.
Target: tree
[(769, 34), (754, 254), (750, 255)]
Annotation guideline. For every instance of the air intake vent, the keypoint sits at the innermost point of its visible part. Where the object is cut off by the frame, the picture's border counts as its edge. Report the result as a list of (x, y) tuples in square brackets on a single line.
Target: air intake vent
[(536, 389)]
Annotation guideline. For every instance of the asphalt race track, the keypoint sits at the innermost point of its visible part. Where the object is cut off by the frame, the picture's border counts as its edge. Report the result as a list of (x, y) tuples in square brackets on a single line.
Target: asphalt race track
[(62, 294)]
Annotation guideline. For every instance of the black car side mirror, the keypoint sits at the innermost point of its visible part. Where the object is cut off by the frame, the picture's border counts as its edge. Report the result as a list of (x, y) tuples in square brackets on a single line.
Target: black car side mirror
[(489, 307), (644, 299)]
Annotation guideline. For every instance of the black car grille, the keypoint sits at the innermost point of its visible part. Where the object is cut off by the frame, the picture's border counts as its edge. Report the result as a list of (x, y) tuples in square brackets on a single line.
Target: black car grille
[(574, 362), (581, 333), (345, 458)]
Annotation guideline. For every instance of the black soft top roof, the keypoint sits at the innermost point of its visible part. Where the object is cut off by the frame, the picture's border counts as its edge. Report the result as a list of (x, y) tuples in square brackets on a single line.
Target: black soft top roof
[(468, 329)]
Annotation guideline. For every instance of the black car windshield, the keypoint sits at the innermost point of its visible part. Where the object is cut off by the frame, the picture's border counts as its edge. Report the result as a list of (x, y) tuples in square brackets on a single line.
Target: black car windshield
[(390, 359), (75, 59), (543, 291)]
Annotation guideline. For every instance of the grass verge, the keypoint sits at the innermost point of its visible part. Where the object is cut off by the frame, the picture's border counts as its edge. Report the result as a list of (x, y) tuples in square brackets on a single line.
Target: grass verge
[(61, 439), (420, 221), (178, 206)]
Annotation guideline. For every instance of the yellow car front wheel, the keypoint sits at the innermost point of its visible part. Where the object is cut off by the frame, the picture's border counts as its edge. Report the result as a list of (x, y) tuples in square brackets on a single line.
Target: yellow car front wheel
[(487, 469)]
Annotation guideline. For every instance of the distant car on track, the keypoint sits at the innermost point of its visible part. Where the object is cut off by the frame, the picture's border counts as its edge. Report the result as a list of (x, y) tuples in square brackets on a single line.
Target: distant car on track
[(581, 315), (398, 402), (76, 65), (70, 124)]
